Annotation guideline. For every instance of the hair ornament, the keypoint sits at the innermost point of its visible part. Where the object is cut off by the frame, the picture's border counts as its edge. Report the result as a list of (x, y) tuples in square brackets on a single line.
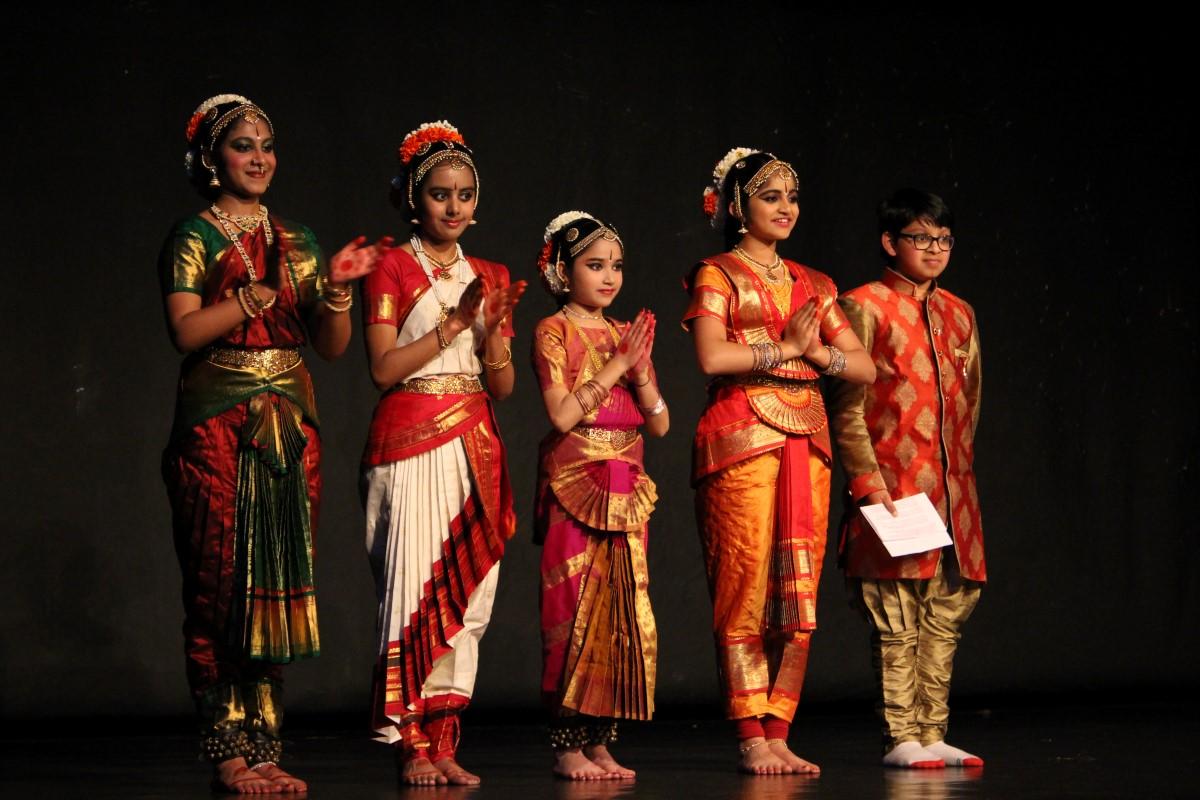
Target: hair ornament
[(712, 192), (418, 142), (567, 235), (208, 107), (422, 149), (562, 219), (206, 125)]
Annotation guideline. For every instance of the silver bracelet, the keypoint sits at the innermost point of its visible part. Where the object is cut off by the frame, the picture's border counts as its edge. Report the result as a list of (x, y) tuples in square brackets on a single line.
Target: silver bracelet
[(659, 407), (837, 361)]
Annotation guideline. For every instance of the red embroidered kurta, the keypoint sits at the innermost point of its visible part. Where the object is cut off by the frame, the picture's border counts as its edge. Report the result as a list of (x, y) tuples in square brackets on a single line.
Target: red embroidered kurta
[(914, 429)]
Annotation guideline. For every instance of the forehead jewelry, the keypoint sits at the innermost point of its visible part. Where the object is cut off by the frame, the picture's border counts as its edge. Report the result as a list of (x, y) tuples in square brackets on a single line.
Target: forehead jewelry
[(608, 234)]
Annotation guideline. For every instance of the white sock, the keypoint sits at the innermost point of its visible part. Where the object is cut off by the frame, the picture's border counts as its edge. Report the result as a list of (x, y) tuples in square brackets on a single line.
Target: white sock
[(953, 756), (912, 756)]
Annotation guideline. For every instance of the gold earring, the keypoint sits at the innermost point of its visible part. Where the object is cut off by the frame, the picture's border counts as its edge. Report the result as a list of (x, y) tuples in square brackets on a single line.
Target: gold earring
[(473, 222), (214, 181), (737, 207)]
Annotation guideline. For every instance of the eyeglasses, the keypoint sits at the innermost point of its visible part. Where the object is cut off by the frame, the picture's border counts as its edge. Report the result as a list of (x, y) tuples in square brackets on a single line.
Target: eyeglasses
[(922, 241)]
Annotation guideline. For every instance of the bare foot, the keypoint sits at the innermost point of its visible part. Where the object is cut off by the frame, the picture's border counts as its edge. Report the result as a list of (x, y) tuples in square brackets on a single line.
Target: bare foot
[(575, 766), (598, 754), (455, 774), (284, 782), (758, 759), (420, 771), (799, 765), (234, 777)]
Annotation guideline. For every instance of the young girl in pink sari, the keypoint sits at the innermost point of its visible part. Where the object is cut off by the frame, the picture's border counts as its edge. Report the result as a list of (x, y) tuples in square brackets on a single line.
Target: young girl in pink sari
[(599, 642)]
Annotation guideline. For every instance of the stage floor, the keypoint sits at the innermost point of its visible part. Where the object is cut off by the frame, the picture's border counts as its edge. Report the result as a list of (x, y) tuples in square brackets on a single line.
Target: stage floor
[(1071, 752)]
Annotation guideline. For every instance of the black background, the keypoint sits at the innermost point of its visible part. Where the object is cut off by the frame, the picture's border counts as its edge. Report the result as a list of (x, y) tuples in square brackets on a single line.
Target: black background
[(1065, 148)]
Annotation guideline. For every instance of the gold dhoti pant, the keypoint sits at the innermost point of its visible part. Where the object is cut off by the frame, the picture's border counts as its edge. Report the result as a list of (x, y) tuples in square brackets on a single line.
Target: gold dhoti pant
[(915, 631), (761, 670)]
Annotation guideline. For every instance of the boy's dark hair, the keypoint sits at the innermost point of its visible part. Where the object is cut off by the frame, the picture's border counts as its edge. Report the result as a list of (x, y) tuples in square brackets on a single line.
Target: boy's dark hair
[(908, 205)]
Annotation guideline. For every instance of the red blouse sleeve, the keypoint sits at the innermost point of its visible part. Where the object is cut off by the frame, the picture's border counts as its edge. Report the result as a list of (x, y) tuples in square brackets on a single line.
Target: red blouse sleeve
[(381, 292)]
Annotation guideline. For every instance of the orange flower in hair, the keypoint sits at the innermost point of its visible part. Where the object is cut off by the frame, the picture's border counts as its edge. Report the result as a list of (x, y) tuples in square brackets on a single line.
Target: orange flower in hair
[(427, 134)]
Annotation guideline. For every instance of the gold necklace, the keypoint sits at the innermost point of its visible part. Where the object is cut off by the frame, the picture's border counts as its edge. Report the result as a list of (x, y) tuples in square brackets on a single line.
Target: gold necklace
[(227, 225), (445, 270), (768, 269), (247, 222), (598, 361), (572, 312)]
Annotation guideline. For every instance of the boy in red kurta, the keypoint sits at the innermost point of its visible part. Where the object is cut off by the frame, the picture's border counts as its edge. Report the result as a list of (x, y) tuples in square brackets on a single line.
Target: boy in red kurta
[(913, 431)]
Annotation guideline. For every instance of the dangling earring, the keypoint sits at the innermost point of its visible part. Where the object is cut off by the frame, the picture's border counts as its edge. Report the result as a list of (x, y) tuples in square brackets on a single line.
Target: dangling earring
[(473, 222), (206, 162), (737, 207), (415, 221)]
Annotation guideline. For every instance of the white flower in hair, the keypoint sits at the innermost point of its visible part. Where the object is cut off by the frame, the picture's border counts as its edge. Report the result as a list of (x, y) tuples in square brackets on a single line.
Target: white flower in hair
[(725, 164), (217, 100), (562, 219), (443, 124)]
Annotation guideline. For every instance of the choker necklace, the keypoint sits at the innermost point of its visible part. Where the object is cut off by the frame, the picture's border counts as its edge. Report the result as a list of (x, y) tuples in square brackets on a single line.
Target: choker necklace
[(444, 270), (247, 222), (769, 269), (573, 313)]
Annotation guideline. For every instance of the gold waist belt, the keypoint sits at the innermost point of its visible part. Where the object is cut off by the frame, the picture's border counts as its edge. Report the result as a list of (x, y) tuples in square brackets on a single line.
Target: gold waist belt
[(617, 437), (442, 384), (761, 379), (274, 360)]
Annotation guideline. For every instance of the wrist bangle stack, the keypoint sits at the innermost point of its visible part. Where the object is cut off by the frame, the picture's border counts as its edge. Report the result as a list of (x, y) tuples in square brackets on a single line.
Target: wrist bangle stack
[(338, 300), (590, 396), (252, 294), (252, 305), (502, 363), (767, 356), (837, 361)]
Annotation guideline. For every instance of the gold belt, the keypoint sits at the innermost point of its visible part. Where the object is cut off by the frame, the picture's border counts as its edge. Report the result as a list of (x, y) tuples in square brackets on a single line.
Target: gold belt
[(442, 384), (273, 360), (770, 381), (617, 437)]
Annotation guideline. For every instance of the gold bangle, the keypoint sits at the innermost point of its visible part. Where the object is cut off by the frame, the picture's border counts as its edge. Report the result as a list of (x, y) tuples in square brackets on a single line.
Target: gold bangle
[(502, 363), (258, 301), (247, 305)]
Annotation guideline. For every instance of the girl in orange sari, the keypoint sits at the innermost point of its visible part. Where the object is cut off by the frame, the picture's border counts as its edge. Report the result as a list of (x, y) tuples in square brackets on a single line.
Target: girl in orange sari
[(765, 329)]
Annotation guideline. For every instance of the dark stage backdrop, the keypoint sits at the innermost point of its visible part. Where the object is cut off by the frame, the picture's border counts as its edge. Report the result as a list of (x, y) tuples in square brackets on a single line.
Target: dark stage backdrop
[(1065, 153)]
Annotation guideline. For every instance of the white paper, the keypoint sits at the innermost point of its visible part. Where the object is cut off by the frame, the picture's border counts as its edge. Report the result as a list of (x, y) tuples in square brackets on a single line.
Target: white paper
[(916, 529)]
